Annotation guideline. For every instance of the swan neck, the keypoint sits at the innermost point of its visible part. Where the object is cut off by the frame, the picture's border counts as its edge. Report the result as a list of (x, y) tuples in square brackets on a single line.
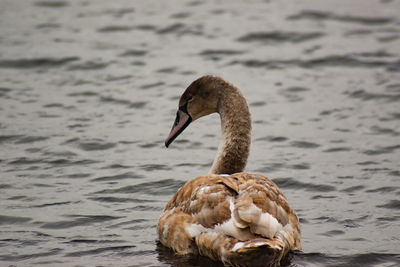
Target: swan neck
[(236, 132)]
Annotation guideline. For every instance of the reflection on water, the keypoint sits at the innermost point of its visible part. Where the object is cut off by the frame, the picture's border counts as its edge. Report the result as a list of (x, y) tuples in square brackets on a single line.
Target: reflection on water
[(89, 89), (166, 256)]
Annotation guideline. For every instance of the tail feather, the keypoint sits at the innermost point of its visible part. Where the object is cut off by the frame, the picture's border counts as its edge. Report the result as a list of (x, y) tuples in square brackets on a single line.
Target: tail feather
[(231, 251)]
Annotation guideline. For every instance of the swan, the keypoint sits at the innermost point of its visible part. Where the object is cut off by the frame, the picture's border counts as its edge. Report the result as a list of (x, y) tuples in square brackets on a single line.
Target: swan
[(238, 218)]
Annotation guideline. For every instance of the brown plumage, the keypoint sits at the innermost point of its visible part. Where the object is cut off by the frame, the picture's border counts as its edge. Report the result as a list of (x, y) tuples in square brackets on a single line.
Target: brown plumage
[(238, 218)]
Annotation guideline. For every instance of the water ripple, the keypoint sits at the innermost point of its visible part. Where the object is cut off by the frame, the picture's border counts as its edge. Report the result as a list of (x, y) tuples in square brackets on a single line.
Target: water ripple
[(382, 150), (79, 220), (98, 251), (89, 65), (31, 139), (120, 200), (154, 167), (14, 258), (52, 4), (29, 63), (7, 138), (91, 145), (304, 144), (4, 91), (338, 149), (366, 259), (326, 61), (52, 204), (379, 130), (366, 96), (5, 186), (126, 175), (321, 15), (13, 220), (120, 28), (332, 233), (352, 189), (129, 104), (273, 138), (133, 53), (162, 187), (217, 54), (26, 161), (392, 204), (280, 37), (152, 85), (383, 189), (181, 29), (291, 183)]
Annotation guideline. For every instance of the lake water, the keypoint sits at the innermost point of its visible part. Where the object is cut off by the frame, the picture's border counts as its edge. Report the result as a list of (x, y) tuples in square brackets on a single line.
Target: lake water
[(89, 90)]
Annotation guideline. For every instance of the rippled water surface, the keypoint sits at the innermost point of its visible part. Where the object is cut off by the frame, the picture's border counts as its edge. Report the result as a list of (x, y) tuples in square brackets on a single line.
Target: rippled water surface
[(88, 91)]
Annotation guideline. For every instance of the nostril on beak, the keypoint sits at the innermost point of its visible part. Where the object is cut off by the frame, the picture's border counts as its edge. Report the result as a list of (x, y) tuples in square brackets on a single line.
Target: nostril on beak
[(177, 119)]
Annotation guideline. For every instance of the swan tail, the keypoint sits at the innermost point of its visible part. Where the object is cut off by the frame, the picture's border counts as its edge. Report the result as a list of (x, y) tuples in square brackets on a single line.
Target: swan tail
[(233, 252)]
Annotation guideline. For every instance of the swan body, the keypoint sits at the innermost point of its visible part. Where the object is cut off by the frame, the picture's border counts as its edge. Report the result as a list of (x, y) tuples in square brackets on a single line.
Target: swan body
[(240, 219)]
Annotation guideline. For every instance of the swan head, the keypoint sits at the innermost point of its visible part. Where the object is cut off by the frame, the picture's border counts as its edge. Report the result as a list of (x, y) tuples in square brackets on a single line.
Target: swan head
[(201, 98)]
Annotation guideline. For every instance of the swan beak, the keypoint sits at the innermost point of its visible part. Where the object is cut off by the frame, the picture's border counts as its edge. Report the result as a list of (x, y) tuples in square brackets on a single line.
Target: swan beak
[(181, 122)]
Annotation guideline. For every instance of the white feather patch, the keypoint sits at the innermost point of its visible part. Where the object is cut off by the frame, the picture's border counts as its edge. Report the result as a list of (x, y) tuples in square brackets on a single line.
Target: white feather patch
[(202, 189), (268, 225), (212, 234), (251, 214), (195, 229), (237, 246), (230, 229), (256, 244), (232, 208), (165, 231), (285, 231), (260, 222)]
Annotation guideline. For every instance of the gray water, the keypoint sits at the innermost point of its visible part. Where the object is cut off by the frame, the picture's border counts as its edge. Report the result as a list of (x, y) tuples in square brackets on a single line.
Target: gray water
[(88, 93)]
